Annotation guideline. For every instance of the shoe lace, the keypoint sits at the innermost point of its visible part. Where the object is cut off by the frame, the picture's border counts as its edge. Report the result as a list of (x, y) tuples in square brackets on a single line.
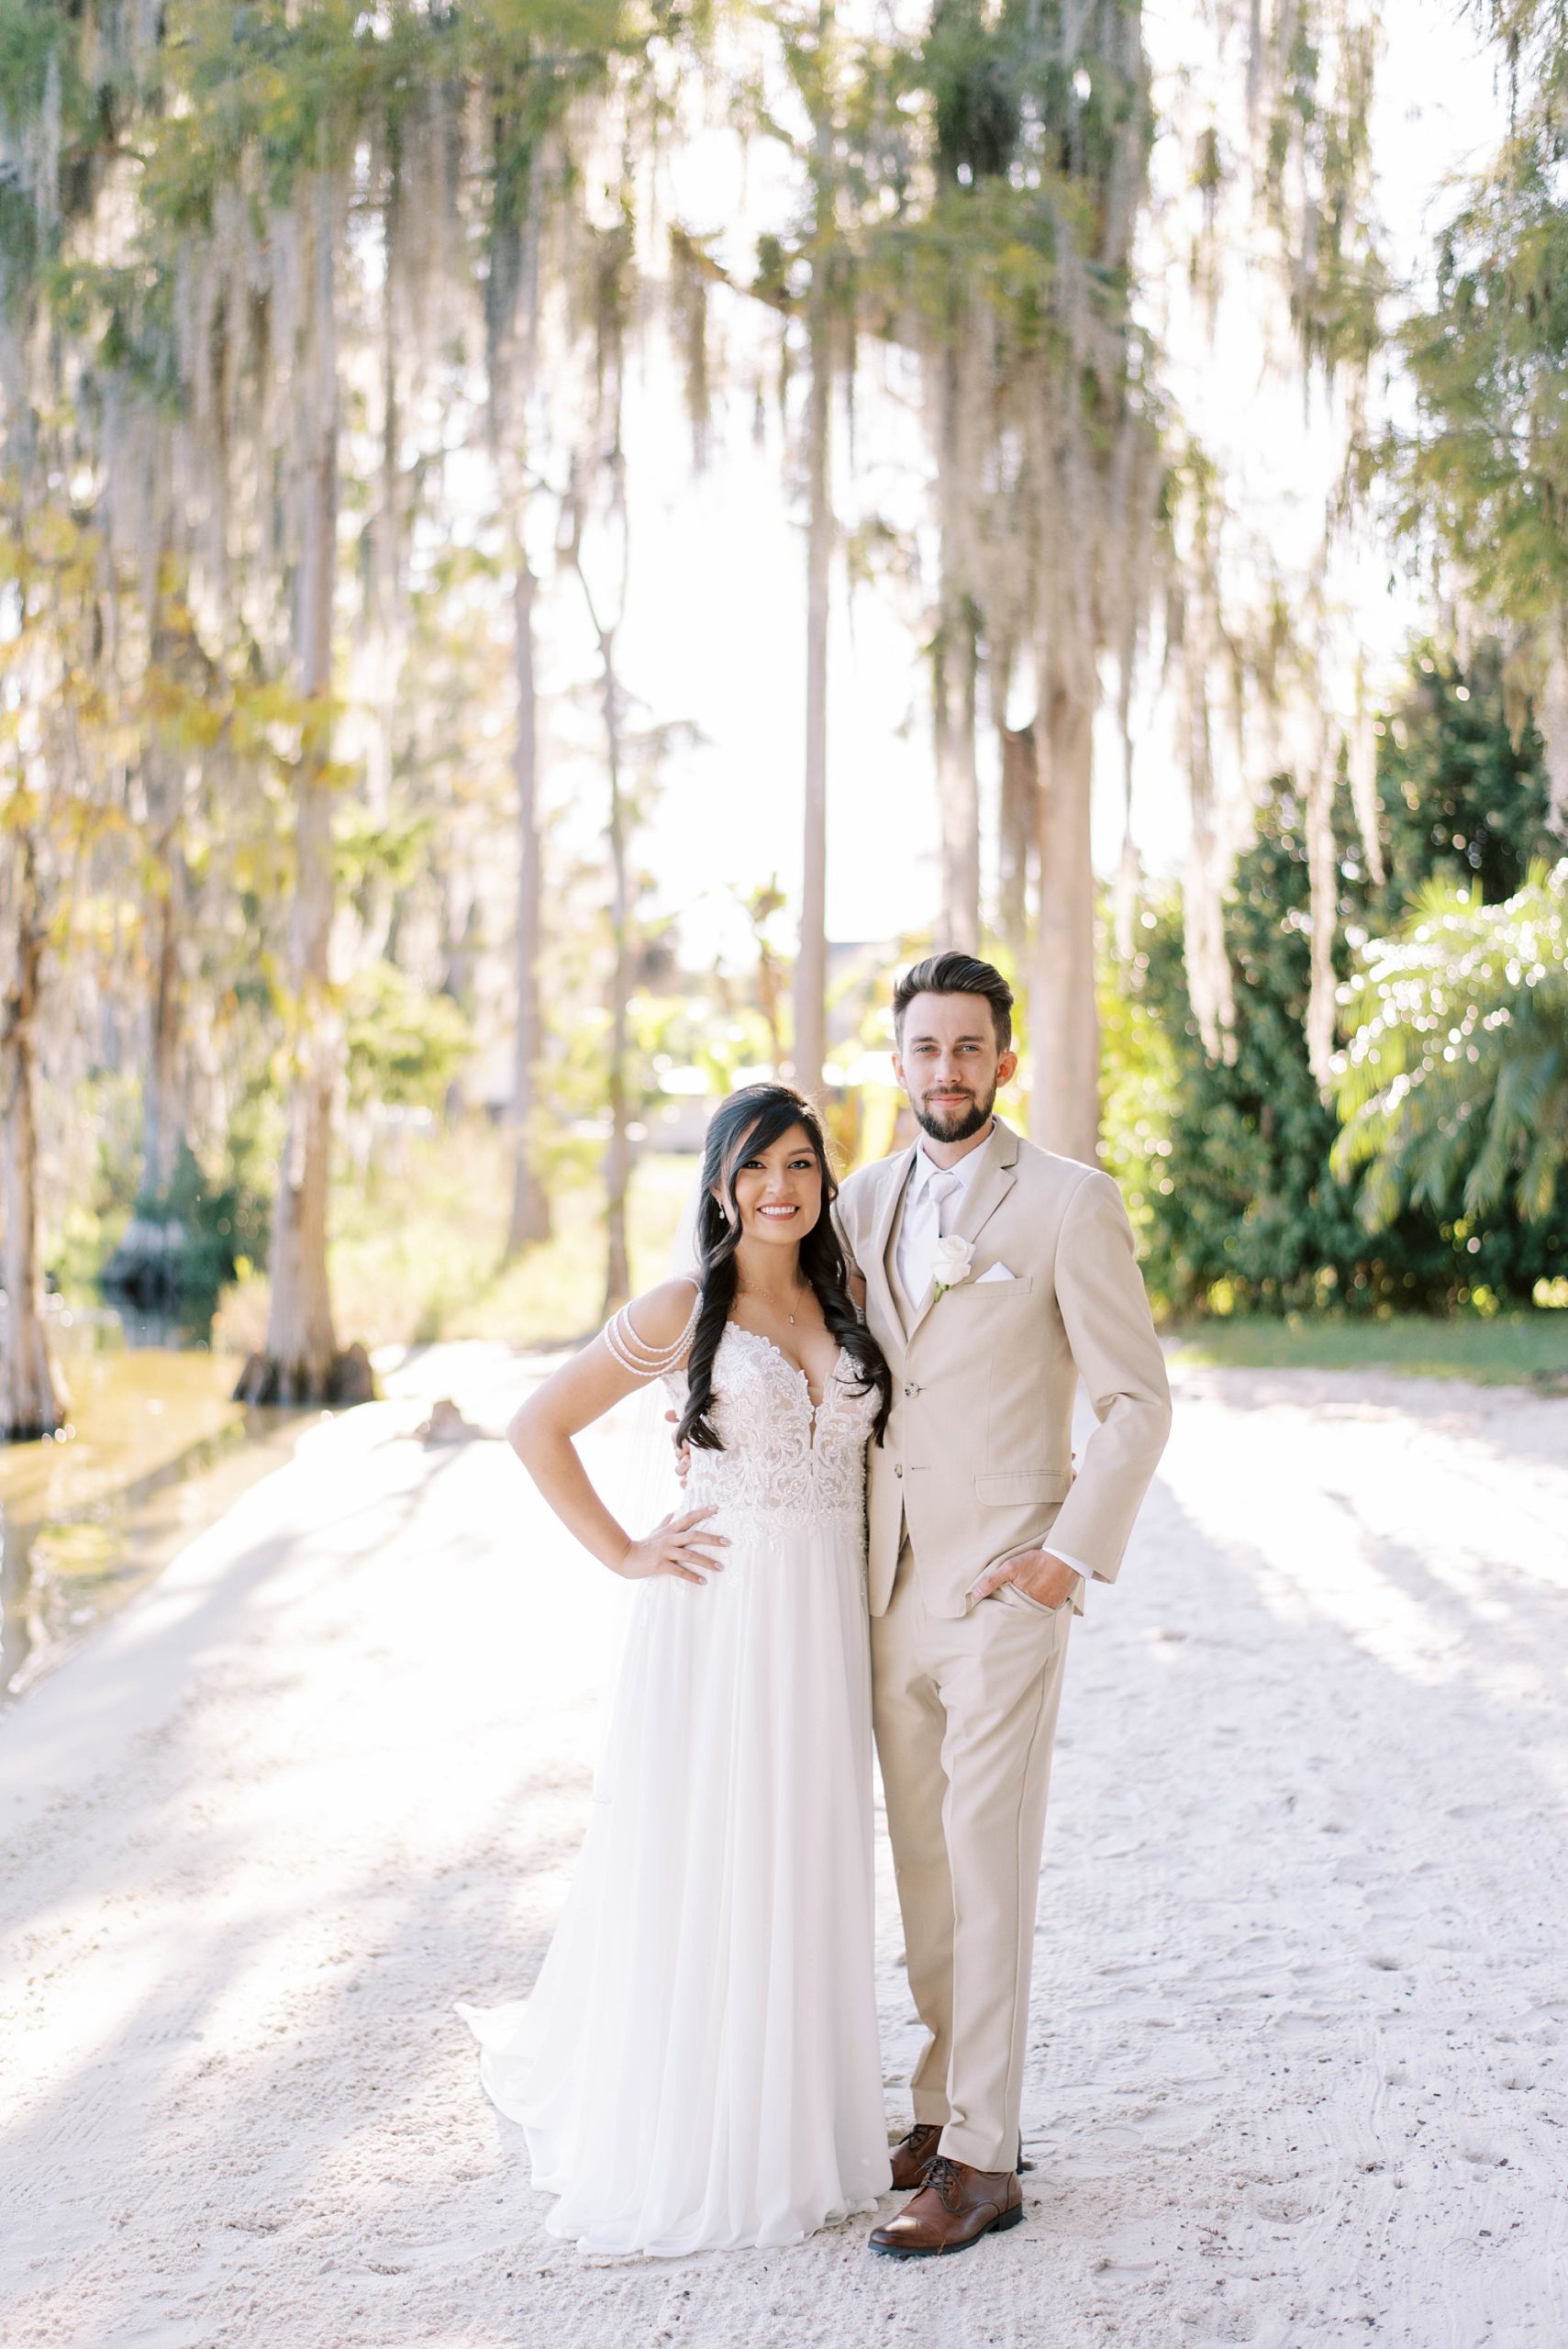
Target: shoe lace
[(941, 2176)]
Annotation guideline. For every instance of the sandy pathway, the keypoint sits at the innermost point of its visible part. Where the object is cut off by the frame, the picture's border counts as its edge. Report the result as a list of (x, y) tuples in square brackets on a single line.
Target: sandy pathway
[(1301, 2013)]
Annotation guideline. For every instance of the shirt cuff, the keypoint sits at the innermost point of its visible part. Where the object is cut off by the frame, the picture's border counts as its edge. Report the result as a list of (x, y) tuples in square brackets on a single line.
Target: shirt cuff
[(1079, 1568), (1075, 1596)]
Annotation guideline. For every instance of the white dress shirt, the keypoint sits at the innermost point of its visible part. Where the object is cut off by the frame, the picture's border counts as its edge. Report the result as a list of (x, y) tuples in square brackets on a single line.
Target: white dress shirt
[(923, 1217), (932, 1206)]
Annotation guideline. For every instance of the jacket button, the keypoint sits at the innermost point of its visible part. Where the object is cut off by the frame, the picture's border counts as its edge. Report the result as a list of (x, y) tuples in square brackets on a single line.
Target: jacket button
[(898, 1472), (911, 1390)]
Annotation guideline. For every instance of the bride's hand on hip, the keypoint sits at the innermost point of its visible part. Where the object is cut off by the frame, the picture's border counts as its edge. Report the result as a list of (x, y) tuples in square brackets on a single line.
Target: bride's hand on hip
[(677, 1546)]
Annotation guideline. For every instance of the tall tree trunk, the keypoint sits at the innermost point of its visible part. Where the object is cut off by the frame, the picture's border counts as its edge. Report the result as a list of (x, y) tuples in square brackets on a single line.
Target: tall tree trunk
[(1128, 874), (811, 964), (1065, 1107), (618, 1155), (1552, 723), (955, 664), (161, 1119), (531, 1203), (955, 690), (32, 1394), (1209, 987), (300, 1359), (1020, 769), (162, 1105), (1361, 756), (301, 1342), (617, 1150)]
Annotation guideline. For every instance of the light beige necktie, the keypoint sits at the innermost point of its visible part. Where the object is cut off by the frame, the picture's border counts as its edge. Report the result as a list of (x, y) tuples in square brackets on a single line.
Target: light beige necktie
[(946, 1190)]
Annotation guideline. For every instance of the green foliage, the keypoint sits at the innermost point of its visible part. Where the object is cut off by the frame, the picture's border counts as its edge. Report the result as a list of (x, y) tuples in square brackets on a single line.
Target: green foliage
[(224, 1220), (971, 66), (1235, 1194), (404, 1046), (1020, 126), (1456, 1076), (421, 1256), (1139, 1061), (1486, 472), (1227, 1164), (1317, 180), (186, 1242), (1461, 798), (295, 86)]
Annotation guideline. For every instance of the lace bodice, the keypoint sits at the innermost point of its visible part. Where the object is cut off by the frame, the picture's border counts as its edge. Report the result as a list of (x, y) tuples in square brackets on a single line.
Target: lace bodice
[(779, 1453)]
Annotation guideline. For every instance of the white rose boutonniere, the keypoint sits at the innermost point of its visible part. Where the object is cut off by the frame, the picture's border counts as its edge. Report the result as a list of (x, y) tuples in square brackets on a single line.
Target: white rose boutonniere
[(953, 1260)]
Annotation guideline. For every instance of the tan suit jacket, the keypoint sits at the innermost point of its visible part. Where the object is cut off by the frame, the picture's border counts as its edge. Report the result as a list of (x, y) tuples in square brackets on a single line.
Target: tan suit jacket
[(977, 1458)]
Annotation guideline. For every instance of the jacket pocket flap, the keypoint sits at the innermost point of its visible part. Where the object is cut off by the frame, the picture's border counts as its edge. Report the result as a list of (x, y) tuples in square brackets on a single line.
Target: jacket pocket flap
[(1030, 1485)]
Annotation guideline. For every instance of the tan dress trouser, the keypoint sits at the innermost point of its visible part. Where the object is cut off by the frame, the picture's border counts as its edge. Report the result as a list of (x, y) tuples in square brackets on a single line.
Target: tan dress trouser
[(965, 1714)]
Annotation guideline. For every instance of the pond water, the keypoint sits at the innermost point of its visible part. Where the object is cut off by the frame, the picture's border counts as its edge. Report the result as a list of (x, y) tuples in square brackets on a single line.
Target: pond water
[(156, 1452)]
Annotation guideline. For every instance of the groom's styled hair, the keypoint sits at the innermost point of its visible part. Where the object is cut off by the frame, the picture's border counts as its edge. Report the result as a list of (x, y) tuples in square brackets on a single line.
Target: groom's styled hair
[(956, 974)]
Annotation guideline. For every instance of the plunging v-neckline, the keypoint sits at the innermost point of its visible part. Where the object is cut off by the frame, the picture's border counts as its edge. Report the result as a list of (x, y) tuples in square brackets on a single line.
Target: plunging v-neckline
[(797, 1368)]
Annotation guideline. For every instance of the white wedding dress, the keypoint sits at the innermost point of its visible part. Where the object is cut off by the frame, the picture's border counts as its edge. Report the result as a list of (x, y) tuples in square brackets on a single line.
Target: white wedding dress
[(699, 2067)]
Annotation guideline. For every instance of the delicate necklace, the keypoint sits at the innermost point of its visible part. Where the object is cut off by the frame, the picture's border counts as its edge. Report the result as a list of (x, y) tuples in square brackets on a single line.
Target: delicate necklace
[(800, 1292)]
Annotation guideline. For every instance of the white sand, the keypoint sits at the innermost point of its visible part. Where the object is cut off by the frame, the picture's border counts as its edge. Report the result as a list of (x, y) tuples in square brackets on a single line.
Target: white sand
[(1301, 2005)]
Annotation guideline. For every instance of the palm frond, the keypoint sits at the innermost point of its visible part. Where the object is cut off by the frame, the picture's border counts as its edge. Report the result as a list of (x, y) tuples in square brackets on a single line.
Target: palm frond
[(1453, 1079)]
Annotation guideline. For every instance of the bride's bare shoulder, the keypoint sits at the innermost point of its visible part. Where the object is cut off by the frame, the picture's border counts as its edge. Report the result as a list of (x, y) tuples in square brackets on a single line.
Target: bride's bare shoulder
[(658, 1317)]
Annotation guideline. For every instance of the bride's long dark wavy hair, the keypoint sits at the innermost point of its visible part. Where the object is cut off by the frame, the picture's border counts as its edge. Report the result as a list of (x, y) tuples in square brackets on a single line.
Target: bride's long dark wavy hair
[(741, 1126)]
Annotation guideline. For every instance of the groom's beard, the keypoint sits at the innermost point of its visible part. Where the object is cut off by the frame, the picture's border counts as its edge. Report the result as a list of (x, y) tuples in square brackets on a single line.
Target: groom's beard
[(955, 1123)]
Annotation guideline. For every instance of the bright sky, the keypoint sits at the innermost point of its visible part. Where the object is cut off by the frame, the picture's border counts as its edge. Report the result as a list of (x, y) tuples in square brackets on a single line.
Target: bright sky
[(715, 630)]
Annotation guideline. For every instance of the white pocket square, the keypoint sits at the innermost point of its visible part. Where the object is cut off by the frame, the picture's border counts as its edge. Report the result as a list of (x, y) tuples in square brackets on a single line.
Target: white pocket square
[(995, 1273)]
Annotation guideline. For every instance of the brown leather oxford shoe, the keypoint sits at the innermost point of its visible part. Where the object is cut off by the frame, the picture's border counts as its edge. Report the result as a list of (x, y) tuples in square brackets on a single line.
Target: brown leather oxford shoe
[(913, 2156), (953, 2209)]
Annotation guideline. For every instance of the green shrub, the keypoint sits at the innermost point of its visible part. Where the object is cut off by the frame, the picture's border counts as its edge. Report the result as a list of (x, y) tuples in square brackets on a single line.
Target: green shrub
[(1227, 1164)]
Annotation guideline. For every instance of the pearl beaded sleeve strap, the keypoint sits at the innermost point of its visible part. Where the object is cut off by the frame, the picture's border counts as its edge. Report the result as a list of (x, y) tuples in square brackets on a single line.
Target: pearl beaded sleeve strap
[(633, 1353)]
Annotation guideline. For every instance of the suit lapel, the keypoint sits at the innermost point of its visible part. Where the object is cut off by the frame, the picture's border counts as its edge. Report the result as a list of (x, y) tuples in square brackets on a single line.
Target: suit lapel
[(994, 1179), (890, 1260), (876, 1268), (992, 1184)]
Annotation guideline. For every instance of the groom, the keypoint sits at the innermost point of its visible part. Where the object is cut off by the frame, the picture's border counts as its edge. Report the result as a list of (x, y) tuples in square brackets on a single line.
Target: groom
[(996, 1275)]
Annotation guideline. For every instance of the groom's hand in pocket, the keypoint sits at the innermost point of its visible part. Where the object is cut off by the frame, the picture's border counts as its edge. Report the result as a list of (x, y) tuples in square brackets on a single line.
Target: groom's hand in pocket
[(1041, 1574)]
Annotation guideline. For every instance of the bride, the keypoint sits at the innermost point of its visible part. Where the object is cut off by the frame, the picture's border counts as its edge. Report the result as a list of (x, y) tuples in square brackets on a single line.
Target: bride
[(697, 2066)]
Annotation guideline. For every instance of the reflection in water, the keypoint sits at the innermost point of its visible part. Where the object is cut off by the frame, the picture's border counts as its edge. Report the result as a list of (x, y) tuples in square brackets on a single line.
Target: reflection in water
[(156, 1451)]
